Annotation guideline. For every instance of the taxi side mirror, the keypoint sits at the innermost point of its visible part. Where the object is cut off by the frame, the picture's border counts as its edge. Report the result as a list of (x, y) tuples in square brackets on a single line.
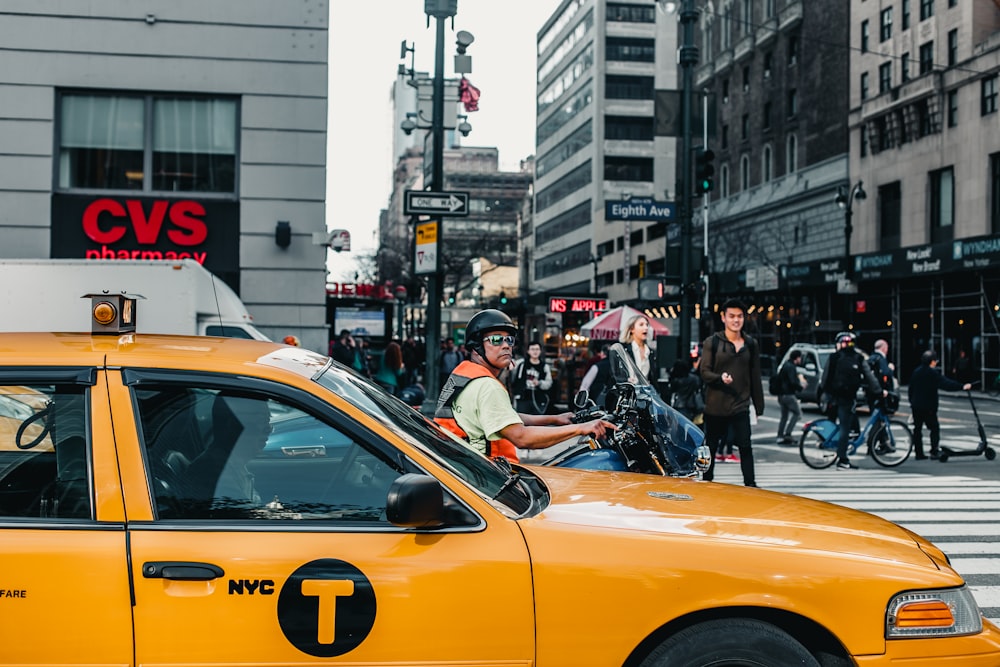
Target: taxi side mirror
[(415, 501)]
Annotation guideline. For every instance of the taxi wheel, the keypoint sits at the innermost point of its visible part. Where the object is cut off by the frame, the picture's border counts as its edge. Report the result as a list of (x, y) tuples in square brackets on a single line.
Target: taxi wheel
[(739, 641)]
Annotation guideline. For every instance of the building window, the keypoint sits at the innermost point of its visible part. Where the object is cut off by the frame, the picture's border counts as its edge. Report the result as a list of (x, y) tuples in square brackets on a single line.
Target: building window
[(884, 77), (745, 127), (725, 136), (768, 8), (890, 207), (747, 17), (793, 49), (863, 134), (864, 86), (989, 97), (766, 121), (791, 153), (906, 15), (952, 108), (189, 144), (628, 128), (864, 36), (952, 47), (952, 3), (995, 193), (745, 172), (564, 187), (568, 110), (622, 87), (885, 24), (725, 90), (766, 165), (724, 180), (727, 29), (942, 204), (904, 64), (793, 103), (926, 58), (926, 9), (746, 79), (767, 65), (630, 49), (630, 13), (706, 40), (579, 139), (628, 168)]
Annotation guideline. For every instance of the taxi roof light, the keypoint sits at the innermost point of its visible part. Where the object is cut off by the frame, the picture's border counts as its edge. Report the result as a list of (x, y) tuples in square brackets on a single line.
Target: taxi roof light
[(112, 313)]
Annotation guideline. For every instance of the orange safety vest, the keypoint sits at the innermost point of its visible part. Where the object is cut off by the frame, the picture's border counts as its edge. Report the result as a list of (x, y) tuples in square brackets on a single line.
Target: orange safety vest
[(464, 373)]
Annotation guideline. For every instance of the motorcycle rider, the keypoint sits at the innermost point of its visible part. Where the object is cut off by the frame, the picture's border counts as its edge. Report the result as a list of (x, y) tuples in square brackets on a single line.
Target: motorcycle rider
[(474, 403)]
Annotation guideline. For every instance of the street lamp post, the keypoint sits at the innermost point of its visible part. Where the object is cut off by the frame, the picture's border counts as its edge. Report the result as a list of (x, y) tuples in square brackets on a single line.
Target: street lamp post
[(845, 200)]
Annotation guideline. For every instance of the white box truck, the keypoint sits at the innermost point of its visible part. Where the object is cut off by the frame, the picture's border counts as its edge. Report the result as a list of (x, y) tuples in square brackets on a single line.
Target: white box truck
[(180, 297)]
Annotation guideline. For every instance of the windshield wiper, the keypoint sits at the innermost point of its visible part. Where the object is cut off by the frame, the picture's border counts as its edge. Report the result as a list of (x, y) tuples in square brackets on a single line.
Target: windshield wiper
[(511, 481)]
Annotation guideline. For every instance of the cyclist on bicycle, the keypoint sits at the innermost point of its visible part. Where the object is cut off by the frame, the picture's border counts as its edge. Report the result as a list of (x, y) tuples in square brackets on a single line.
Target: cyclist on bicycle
[(845, 372)]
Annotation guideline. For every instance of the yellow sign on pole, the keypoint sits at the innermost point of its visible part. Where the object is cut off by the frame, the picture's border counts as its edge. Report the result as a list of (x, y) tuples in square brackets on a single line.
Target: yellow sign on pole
[(425, 253)]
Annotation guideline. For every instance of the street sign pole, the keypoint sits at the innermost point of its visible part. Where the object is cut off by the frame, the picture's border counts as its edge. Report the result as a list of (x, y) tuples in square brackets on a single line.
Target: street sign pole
[(434, 286), (688, 53)]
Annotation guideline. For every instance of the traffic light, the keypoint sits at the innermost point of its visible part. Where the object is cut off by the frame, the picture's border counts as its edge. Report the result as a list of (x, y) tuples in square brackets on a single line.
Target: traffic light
[(503, 299), (704, 171)]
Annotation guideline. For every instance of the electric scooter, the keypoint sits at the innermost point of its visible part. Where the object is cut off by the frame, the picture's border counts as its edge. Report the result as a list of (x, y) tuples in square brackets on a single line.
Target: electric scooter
[(983, 448)]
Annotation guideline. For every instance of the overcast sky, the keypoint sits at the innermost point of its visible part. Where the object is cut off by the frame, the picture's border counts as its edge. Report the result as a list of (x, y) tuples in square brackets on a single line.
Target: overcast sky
[(365, 37)]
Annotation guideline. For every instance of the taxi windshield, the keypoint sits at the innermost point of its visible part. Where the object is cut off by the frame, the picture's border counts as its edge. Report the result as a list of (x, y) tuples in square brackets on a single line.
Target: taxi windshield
[(469, 465)]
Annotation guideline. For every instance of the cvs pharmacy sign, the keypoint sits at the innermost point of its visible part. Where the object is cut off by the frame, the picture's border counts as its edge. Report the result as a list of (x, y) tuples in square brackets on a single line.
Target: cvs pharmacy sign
[(147, 228)]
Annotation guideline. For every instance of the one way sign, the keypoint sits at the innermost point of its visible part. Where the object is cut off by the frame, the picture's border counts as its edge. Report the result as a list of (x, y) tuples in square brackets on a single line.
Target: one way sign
[(425, 202)]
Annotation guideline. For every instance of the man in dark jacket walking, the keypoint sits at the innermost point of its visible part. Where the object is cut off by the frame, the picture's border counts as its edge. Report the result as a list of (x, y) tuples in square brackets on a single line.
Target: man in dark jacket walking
[(923, 394), (730, 369)]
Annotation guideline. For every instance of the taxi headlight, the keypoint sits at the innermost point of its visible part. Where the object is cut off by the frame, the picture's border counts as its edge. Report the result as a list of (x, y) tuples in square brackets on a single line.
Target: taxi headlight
[(945, 613)]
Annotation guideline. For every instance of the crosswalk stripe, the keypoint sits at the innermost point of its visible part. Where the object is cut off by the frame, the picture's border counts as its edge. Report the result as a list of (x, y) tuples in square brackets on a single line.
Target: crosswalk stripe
[(960, 514)]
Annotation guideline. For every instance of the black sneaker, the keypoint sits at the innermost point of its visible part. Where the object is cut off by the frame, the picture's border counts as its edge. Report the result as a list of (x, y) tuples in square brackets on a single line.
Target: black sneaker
[(846, 465)]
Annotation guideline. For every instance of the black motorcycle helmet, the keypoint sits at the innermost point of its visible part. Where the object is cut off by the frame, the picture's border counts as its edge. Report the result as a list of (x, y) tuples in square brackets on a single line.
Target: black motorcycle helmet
[(487, 320), (846, 339)]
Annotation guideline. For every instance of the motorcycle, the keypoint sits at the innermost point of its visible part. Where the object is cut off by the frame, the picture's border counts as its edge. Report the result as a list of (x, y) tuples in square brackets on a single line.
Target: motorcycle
[(651, 437)]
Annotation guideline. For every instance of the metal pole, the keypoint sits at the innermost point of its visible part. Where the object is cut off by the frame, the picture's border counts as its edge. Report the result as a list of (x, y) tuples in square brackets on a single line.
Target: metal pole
[(688, 57), (434, 280), (704, 205)]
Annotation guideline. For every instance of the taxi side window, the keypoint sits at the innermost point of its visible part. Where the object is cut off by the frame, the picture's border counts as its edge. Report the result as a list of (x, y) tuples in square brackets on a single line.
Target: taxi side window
[(221, 454), (44, 452)]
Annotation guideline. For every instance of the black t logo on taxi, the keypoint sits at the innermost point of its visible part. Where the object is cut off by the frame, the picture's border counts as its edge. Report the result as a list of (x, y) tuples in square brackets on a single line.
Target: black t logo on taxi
[(326, 608)]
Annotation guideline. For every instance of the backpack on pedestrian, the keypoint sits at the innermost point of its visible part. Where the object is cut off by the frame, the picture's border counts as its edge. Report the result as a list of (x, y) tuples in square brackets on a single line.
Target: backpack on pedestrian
[(775, 386), (847, 374)]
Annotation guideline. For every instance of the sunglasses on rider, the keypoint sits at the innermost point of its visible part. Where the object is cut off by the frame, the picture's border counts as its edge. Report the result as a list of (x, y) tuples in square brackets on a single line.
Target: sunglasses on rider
[(496, 340)]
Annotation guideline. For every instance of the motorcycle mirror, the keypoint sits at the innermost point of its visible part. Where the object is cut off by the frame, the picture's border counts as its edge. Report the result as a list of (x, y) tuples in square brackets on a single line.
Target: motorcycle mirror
[(581, 399)]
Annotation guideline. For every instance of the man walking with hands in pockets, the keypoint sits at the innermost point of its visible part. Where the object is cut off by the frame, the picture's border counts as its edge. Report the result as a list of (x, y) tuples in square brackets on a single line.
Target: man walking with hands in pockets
[(730, 369)]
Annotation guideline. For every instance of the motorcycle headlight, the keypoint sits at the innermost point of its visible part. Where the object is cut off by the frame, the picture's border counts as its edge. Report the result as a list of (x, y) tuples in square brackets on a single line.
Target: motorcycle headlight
[(944, 613)]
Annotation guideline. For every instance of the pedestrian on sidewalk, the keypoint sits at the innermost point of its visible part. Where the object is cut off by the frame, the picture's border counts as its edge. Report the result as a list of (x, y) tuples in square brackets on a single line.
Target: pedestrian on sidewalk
[(791, 386), (730, 369), (923, 394)]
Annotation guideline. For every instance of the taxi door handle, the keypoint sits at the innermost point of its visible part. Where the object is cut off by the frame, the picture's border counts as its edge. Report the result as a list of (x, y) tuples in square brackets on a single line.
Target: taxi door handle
[(181, 570)]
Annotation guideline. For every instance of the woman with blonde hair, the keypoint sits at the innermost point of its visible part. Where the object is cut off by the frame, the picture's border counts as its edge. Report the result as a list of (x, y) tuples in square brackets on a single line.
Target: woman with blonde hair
[(635, 340)]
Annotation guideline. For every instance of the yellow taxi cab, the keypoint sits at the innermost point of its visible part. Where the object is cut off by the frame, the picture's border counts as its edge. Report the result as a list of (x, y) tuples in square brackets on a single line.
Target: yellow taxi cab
[(209, 501)]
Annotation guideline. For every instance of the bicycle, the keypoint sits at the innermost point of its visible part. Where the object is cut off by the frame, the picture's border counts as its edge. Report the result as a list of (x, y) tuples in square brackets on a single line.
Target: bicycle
[(889, 441)]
